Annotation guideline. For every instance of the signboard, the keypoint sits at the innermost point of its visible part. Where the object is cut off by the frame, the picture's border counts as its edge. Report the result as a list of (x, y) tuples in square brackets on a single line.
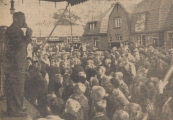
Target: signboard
[(139, 27)]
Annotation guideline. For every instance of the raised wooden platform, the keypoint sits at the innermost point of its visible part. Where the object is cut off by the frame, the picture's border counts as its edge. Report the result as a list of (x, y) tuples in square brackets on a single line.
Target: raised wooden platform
[(32, 112)]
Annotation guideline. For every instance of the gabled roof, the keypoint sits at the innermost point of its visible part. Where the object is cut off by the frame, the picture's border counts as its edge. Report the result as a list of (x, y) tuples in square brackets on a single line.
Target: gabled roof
[(158, 12), (99, 17), (104, 17)]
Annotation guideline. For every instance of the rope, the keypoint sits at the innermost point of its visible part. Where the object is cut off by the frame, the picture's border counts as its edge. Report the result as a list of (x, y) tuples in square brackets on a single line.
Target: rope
[(54, 27)]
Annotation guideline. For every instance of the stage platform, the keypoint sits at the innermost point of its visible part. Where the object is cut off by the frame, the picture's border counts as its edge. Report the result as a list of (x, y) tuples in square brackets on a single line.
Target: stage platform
[(32, 112)]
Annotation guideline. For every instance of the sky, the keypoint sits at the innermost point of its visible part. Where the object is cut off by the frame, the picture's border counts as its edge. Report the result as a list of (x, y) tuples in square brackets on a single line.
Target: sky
[(42, 12)]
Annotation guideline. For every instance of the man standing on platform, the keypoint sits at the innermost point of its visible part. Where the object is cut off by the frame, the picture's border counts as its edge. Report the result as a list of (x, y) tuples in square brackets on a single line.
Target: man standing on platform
[(16, 57)]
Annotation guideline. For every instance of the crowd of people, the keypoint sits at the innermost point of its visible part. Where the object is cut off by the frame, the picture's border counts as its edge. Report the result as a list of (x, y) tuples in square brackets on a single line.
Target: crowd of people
[(123, 83)]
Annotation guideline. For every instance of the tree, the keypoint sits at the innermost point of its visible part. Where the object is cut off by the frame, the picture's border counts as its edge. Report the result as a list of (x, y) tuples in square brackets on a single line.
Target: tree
[(69, 18)]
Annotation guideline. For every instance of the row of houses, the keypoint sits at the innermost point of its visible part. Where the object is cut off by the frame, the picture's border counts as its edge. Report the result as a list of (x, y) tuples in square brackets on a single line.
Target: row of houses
[(148, 22), (62, 34)]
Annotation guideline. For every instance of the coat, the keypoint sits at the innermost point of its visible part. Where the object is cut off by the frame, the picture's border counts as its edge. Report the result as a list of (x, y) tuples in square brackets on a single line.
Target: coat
[(16, 55)]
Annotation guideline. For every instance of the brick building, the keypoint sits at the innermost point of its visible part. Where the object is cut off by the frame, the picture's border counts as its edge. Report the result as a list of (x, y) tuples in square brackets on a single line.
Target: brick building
[(113, 25), (152, 23)]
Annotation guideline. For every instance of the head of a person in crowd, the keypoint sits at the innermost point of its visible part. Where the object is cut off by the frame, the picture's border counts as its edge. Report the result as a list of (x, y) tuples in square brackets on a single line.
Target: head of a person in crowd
[(77, 61), (143, 55), (134, 110), (119, 76), (101, 70), (122, 62), (126, 48), (136, 51), (153, 82), (151, 48), (115, 83), (72, 106), (82, 77), (68, 70), (79, 89), (66, 80), (90, 63), (64, 56), (156, 53), (78, 54), (93, 82), (59, 78), (113, 50), (117, 54), (97, 55), (57, 61), (100, 106), (97, 93), (44, 57), (121, 115), (93, 72), (35, 63), (125, 54), (52, 62), (56, 105), (142, 70), (19, 19), (90, 54), (108, 62), (72, 60), (154, 61), (107, 54)]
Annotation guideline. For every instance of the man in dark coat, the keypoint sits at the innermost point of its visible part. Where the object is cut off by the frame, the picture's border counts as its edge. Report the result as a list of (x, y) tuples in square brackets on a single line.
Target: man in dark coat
[(16, 57)]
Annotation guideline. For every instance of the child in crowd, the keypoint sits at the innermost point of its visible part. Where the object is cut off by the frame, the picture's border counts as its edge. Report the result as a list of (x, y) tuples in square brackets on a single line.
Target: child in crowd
[(79, 90), (120, 115), (73, 110), (99, 107)]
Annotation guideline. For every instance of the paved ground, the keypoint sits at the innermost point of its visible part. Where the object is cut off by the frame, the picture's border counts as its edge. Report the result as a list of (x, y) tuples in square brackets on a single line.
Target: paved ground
[(32, 112)]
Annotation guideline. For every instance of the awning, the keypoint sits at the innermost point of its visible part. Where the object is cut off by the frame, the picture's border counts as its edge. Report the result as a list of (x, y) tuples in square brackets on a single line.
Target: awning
[(72, 2)]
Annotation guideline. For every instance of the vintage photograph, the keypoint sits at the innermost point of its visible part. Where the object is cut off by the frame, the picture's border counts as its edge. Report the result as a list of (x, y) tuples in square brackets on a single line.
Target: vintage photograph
[(86, 59)]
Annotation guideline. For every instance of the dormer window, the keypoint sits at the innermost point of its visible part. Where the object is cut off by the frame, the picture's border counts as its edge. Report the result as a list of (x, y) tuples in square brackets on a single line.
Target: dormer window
[(92, 26)]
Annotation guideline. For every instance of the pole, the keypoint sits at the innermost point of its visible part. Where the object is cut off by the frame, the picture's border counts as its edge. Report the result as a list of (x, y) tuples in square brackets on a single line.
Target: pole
[(71, 26), (55, 26)]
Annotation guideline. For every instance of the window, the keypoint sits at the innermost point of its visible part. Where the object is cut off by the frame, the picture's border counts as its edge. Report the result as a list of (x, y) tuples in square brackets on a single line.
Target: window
[(75, 39), (119, 37), (141, 18), (117, 22), (141, 39), (54, 38), (92, 26), (110, 38)]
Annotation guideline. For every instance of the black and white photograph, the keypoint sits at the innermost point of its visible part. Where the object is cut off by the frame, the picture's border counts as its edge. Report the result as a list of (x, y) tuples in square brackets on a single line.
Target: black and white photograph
[(86, 59)]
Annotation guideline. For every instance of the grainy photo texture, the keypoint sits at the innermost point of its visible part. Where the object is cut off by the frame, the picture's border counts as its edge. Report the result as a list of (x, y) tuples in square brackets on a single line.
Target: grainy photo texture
[(86, 60)]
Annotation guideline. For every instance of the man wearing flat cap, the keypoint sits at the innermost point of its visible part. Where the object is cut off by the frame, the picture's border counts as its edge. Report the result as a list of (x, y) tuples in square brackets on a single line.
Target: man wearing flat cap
[(16, 57)]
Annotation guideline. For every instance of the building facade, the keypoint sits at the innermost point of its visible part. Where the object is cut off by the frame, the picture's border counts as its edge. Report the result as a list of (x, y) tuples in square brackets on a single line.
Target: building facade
[(113, 25), (62, 34), (152, 23)]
